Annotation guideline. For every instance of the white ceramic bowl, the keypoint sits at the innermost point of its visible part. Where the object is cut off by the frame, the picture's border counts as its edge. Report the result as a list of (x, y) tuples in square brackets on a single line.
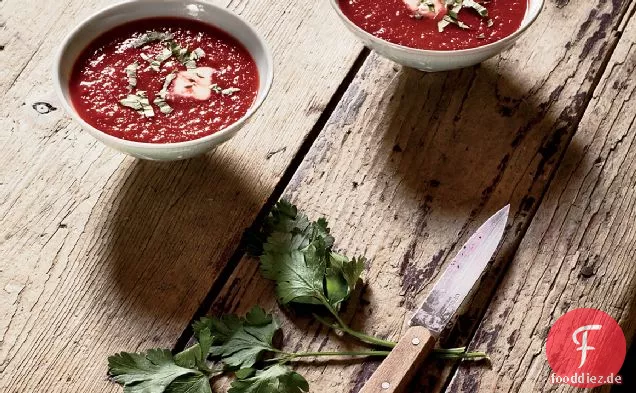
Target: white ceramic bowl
[(131, 10), (436, 60)]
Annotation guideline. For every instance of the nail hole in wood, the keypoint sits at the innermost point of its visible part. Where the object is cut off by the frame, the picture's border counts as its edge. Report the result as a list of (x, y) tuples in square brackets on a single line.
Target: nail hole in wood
[(43, 108)]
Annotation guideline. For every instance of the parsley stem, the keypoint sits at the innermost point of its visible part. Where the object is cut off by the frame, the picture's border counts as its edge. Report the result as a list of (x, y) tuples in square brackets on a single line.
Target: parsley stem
[(438, 353), (342, 326), (462, 356), (295, 355), (451, 351), (367, 338)]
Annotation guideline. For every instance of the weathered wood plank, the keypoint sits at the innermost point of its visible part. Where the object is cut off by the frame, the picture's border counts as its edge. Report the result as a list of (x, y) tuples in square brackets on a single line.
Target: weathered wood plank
[(579, 250), (410, 164), (102, 253)]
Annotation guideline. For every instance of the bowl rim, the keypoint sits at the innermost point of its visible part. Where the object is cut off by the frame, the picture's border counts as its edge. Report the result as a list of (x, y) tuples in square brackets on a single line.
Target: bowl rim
[(433, 52), (110, 139)]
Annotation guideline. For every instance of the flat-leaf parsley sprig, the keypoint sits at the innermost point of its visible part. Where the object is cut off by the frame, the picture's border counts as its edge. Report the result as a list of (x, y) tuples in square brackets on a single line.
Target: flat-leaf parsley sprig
[(229, 344), (243, 346), (297, 254)]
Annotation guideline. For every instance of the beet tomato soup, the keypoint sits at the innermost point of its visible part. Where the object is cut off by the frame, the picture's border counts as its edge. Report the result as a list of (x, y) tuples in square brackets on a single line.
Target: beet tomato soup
[(437, 24), (164, 80)]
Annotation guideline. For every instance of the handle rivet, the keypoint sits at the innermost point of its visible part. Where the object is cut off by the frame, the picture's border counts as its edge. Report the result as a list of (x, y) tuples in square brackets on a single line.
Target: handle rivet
[(386, 385), (416, 341)]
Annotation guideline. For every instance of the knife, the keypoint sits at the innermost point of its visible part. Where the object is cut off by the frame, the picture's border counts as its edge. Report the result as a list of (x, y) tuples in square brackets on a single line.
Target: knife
[(439, 308)]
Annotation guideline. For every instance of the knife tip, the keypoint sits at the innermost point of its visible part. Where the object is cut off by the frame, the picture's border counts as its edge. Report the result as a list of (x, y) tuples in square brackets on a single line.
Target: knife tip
[(505, 211)]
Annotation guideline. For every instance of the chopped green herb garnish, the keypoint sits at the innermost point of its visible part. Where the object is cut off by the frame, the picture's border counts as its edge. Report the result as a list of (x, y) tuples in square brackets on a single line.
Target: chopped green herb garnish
[(163, 105), (230, 90), (454, 6), (139, 102), (163, 56), (190, 64), (442, 24), (147, 59), (192, 57), (448, 20), (151, 36), (476, 6), (453, 9), (430, 5), (155, 64), (160, 99), (226, 92), (131, 75), (176, 49), (184, 56), (199, 53), (167, 83)]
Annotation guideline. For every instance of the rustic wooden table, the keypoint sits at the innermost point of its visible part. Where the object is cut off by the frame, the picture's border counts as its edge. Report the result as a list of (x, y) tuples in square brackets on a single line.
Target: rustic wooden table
[(101, 252)]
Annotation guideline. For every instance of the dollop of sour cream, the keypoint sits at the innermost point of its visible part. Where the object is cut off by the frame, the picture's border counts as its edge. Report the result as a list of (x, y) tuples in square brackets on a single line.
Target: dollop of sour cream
[(421, 10), (195, 83)]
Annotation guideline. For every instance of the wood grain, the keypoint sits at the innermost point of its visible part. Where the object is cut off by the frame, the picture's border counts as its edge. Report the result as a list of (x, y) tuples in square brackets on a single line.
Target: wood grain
[(102, 253), (410, 164), (579, 250), (396, 371)]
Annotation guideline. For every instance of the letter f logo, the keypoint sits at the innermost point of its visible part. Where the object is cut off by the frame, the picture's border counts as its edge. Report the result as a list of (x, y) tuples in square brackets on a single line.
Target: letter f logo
[(583, 345)]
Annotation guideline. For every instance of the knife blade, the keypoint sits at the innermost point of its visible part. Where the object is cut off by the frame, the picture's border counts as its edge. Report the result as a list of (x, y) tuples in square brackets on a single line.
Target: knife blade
[(462, 274), (439, 308)]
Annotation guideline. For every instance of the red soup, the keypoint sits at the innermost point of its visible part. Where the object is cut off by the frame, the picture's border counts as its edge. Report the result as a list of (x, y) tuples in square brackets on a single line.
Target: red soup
[(437, 24), (164, 80)]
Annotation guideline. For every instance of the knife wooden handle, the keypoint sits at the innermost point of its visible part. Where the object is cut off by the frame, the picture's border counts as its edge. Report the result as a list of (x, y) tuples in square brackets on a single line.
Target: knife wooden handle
[(397, 370)]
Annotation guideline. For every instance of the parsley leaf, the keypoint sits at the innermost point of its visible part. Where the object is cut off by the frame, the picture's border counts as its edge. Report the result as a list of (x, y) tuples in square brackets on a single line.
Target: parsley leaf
[(283, 217), (190, 384), (298, 274), (276, 379), (240, 342), (195, 355), (296, 253), (342, 276), (149, 372)]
